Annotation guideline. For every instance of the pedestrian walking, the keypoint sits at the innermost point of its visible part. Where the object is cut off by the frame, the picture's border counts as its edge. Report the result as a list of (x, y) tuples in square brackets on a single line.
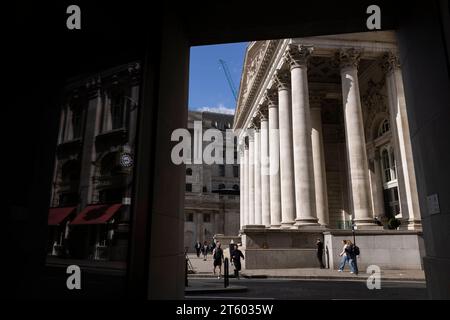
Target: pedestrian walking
[(353, 251), (319, 245), (198, 248), (345, 256), (236, 258), (205, 249), (218, 259)]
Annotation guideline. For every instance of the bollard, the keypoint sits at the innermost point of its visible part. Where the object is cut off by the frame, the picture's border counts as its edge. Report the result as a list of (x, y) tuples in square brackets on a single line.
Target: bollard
[(226, 274), (186, 283)]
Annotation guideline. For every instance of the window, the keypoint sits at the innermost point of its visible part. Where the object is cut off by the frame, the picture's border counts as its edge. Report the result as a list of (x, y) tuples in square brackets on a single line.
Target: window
[(393, 165), (384, 128), (388, 164), (189, 187), (236, 171), (70, 172), (236, 187), (206, 217), (205, 189), (111, 195), (109, 165), (77, 114), (222, 170), (117, 109), (189, 172), (68, 199), (189, 217), (221, 186)]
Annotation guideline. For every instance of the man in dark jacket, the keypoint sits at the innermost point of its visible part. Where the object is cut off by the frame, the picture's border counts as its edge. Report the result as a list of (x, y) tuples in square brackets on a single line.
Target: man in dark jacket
[(236, 257), (319, 245)]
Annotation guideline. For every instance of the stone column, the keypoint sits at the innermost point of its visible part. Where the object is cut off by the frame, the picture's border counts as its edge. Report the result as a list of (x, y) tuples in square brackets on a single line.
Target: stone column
[(265, 169), (245, 184), (257, 168), (305, 199), (89, 156), (274, 160), (286, 150), (251, 177), (320, 178), (356, 143), (409, 201), (241, 184)]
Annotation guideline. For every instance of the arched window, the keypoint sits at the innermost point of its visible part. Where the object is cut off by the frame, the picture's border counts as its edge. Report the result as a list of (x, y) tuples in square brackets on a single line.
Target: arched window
[(109, 165), (189, 172), (386, 165), (383, 128), (221, 186), (236, 187), (393, 164)]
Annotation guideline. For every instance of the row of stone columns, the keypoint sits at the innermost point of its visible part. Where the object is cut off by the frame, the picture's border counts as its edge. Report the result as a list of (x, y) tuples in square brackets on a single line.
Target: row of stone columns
[(284, 180)]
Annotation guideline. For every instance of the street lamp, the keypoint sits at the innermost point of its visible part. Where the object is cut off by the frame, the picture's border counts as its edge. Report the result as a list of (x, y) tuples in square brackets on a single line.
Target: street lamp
[(354, 227)]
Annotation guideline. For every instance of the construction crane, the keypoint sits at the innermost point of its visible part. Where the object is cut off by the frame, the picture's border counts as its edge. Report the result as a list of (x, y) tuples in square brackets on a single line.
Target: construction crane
[(229, 78)]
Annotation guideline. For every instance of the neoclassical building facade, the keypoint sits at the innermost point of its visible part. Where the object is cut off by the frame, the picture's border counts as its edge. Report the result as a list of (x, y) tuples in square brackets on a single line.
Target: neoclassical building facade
[(324, 143), (92, 184), (211, 202)]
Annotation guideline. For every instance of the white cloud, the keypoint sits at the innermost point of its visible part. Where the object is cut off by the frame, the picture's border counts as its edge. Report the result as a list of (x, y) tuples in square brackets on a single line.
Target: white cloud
[(219, 109)]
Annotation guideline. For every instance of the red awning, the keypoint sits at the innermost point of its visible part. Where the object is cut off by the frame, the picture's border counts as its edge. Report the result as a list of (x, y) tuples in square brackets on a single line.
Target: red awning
[(96, 214), (57, 215)]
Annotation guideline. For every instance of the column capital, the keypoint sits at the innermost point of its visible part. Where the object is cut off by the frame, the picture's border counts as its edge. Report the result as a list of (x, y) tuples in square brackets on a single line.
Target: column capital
[(282, 80), (349, 58), (390, 62), (271, 96), (134, 70), (263, 112), (93, 85), (298, 55), (256, 122)]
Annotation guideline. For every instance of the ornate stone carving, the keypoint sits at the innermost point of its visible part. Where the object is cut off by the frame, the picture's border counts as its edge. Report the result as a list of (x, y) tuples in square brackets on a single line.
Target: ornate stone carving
[(256, 122), (253, 66), (263, 111), (282, 80), (93, 85), (251, 83), (271, 96), (374, 103), (390, 62), (298, 55), (349, 58), (134, 71)]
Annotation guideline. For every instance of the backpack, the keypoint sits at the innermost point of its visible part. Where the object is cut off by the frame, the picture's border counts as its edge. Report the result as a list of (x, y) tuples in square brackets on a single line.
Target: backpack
[(355, 250), (217, 253)]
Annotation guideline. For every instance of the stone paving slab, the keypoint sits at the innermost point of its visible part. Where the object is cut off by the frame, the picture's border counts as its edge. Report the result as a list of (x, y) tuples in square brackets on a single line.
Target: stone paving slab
[(204, 269)]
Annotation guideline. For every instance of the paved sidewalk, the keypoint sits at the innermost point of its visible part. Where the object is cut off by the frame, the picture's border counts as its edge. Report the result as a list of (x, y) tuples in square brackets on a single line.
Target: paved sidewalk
[(204, 269)]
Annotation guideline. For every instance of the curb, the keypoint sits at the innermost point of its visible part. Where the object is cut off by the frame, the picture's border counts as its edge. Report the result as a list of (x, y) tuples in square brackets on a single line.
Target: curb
[(360, 278), (215, 290)]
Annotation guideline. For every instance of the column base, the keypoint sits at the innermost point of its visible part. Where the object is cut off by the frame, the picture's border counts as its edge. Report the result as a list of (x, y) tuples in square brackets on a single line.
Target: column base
[(315, 226), (367, 224), (411, 225), (275, 226), (254, 226), (287, 225), (313, 222)]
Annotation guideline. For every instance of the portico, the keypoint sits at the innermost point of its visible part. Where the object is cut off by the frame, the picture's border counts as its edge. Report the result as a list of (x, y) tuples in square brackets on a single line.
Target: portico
[(322, 112)]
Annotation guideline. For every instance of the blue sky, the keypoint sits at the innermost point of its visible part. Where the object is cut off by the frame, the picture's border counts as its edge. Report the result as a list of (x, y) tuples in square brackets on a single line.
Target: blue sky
[(208, 86)]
